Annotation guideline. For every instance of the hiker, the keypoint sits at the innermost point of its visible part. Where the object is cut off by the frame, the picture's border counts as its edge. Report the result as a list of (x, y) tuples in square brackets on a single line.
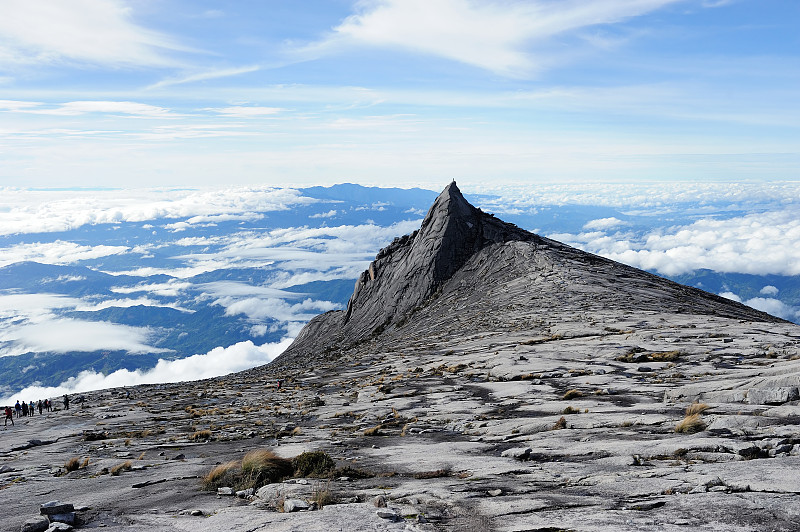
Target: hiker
[(279, 383), (31, 408), (66, 402), (40, 407), (18, 408), (48, 405), (9, 415), (24, 409)]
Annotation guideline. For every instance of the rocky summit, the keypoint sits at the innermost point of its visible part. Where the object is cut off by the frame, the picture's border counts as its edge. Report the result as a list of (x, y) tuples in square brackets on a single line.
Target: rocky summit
[(482, 378)]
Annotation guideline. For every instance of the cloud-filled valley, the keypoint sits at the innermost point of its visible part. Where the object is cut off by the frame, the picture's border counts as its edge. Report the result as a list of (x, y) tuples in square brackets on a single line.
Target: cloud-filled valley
[(128, 287)]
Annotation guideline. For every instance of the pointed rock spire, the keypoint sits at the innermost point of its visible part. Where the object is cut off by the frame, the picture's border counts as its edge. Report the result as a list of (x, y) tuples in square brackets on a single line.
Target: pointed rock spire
[(410, 270)]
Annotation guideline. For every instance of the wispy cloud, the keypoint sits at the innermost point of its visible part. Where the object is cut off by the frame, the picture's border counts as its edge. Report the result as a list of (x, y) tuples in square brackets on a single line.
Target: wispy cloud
[(499, 36), (142, 110), (91, 32), (204, 76), (64, 335), (245, 111)]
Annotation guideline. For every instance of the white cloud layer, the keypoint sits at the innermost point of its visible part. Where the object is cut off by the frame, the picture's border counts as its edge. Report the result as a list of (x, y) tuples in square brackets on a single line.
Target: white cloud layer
[(217, 362), (57, 252), (759, 244), (39, 211), (499, 36), (767, 304), (63, 335)]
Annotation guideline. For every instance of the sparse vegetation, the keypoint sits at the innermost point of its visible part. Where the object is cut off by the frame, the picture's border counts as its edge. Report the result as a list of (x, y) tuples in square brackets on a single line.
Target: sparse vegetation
[(73, 464), (313, 464), (560, 424), (571, 410), (199, 435), (119, 468), (439, 473), (690, 424), (572, 394), (696, 408), (373, 431), (257, 468), (322, 495)]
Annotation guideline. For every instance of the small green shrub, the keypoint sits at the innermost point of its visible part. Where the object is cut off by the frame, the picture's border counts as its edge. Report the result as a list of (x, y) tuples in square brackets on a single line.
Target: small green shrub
[(313, 464)]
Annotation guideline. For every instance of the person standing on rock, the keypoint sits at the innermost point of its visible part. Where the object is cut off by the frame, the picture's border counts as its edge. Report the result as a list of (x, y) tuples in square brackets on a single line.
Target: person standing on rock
[(40, 405), (31, 408), (9, 415), (66, 402), (18, 408), (24, 409)]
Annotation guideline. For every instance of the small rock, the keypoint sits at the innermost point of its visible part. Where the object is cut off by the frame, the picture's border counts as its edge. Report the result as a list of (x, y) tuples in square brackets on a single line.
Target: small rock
[(59, 527), (379, 501), (343, 479), (495, 493), (243, 494), (67, 517), (385, 513), (302, 481), (225, 491), (337, 442), (55, 507), (180, 457), (37, 524), (647, 505), (196, 513), (6, 469), (295, 505), (520, 453)]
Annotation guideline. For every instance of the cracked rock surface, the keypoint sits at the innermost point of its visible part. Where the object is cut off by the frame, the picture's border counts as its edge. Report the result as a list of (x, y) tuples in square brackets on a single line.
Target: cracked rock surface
[(529, 387)]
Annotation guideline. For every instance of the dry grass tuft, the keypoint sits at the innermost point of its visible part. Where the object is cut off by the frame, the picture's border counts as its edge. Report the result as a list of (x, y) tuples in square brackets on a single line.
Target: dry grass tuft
[(373, 431), (571, 410), (200, 435), (572, 394), (73, 464), (119, 468), (560, 424), (218, 477), (690, 424), (322, 495), (696, 408)]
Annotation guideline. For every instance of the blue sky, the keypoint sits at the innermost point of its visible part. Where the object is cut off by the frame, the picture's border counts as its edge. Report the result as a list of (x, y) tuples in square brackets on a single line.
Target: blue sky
[(144, 93)]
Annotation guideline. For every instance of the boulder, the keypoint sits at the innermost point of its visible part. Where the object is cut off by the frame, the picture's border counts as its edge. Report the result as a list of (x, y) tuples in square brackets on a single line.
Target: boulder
[(772, 396), (295, 505), (59, 527), (55, 507), (519, 453), (386, 513), (37, 524)]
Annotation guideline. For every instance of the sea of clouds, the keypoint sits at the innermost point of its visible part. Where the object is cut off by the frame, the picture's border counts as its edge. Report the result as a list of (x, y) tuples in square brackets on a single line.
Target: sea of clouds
[(670, 228)]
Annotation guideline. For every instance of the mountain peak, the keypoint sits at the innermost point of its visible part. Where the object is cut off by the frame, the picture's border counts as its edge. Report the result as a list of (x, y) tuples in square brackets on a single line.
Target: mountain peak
[(461, 254)]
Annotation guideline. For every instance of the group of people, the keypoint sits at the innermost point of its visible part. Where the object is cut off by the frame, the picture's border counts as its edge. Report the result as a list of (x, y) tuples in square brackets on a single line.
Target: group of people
[(28, 409)]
